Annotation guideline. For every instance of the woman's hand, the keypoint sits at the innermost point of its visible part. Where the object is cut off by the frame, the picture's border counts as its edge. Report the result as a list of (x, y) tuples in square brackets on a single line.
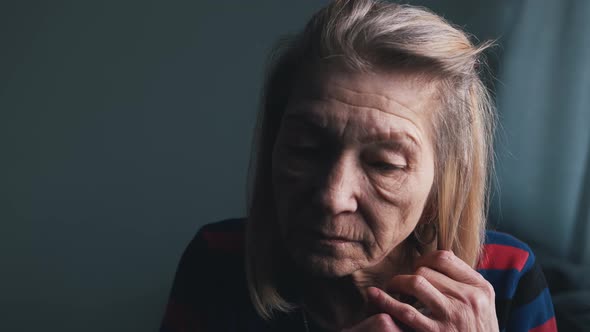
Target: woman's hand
[(457, 297), (376, 323)]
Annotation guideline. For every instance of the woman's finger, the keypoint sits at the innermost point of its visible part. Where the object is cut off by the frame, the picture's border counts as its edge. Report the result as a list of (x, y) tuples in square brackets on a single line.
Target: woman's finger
[(457, 280), (447, 263), (423, 290), (443, 283), (402, 312), (379, 322)]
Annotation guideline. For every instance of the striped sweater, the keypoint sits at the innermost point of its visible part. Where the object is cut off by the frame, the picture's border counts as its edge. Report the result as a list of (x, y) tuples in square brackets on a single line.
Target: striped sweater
[(209, 292)]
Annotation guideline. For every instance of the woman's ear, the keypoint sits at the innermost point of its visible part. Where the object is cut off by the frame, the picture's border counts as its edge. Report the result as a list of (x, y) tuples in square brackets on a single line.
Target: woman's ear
[(425, 233), (430, 211)]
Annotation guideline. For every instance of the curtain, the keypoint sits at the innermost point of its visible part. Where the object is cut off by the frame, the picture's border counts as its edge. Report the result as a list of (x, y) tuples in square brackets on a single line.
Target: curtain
[(542, 69), (543, 145)]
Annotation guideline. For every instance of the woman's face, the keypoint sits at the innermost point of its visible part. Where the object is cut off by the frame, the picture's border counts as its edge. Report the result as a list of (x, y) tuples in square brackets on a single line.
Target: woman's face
[(353, 166)]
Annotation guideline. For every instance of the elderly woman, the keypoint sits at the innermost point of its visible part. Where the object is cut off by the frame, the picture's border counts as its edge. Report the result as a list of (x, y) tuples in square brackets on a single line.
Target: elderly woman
[(368, 204)]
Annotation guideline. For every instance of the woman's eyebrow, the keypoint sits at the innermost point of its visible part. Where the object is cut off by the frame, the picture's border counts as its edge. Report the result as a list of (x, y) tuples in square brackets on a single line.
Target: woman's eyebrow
[(303, 119), (398, 141), (393, 140)]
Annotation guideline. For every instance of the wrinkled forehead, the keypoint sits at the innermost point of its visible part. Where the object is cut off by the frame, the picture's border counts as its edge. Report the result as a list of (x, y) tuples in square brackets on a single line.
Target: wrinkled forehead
[(401, 89), (402, 94)]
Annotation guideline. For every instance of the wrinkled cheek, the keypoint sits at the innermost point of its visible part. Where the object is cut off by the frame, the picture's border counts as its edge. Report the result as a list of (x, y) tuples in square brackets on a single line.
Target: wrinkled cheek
[(289, 181), (391, 219), (371, 251), (292, 191), (387, 225), (392, 190)]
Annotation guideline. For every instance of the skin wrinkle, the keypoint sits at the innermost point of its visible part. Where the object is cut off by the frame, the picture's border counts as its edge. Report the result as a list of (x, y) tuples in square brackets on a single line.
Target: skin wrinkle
[(380, 192), (387, 193), (381, 246), (335, 185), (415, 138), (299, 112), (381, 108)]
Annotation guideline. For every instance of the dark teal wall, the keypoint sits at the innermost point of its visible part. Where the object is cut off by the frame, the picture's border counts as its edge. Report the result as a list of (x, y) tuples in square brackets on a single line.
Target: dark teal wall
[(124, 126)]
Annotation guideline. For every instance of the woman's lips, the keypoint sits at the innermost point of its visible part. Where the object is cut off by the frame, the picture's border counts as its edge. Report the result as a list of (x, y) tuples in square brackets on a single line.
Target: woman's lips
[(325, 238), (333, 241)]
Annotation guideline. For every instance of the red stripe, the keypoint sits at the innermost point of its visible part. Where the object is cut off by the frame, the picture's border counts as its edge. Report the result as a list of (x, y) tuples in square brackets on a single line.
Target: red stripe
[(224, 241), (548, 326), (502, 257)]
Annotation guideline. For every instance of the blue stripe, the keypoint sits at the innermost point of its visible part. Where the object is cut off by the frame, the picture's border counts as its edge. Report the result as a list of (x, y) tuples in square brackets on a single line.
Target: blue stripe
[(493, 237), (504, 281), (533, 314)]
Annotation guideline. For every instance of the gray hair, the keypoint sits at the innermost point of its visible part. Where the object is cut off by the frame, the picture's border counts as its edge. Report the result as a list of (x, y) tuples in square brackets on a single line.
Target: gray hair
[(366, 35)]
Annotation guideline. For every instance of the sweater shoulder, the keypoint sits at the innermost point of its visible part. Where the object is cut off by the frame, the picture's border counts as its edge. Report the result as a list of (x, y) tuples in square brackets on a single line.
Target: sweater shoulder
[(503, 251), (225, 236)]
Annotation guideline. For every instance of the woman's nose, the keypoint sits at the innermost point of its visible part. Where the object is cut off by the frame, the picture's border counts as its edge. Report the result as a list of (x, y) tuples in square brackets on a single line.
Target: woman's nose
[(338, 190)]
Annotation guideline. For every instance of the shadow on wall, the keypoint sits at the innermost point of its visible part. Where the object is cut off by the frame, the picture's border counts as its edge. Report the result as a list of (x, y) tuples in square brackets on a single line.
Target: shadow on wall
[(124, 127)]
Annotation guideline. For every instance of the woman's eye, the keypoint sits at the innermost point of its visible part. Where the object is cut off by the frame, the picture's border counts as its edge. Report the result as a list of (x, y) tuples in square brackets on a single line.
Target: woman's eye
[(304, 150), (387, 167)]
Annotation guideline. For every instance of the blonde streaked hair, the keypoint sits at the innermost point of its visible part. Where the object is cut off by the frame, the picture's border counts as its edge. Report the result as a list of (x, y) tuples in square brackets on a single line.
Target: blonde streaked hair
[(365, 35)]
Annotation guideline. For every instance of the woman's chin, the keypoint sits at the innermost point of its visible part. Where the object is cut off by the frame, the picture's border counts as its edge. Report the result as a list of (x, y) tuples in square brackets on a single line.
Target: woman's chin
[(326, 266)]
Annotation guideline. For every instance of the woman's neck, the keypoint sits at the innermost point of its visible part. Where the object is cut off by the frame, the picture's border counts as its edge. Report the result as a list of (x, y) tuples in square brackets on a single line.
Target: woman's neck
[(337, 303), (334, 304)]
